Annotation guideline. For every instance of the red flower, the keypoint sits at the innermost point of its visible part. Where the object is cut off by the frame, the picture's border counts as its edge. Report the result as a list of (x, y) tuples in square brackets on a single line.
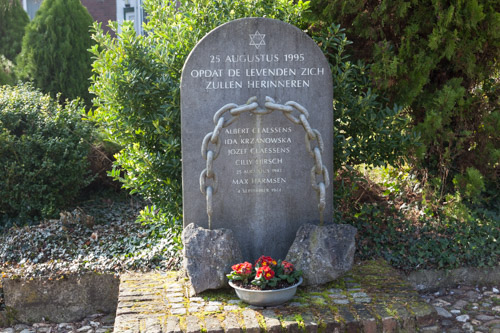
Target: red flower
[(287, 267), (265, 261), (244, 268), (265, 271)]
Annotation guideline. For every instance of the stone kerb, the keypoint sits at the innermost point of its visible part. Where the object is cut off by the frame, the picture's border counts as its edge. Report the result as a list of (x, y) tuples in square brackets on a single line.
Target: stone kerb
[(263, 168), (70, 298)]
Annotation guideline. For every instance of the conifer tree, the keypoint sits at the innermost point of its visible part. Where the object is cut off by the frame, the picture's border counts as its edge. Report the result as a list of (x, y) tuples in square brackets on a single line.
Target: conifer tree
[(55, 49), (439, 58), (13, 20)]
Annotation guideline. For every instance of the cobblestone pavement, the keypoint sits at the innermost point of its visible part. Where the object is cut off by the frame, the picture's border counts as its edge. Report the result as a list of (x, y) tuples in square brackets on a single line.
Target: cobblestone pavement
[(371, 298), (467, 308), (461, 309)]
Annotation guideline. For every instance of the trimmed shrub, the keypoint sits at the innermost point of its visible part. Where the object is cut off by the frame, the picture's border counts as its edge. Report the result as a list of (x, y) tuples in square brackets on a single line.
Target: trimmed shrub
[(43, 153), (55, 50), (13, 20)]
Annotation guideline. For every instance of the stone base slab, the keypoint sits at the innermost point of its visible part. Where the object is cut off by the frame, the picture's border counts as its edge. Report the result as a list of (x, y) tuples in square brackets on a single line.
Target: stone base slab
[(372, 297)]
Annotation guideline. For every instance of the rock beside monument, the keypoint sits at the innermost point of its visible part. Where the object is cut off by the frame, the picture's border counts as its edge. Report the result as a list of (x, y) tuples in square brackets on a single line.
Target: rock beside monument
[(323, 253), (208, 256)]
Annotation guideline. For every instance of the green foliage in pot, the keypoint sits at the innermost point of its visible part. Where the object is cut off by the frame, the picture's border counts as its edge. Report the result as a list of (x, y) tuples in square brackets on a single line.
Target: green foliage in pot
[(55, 47), (266, 273), (43, 153)]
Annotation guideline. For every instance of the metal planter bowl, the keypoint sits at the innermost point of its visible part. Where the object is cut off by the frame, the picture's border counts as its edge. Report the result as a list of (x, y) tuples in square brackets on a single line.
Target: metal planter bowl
[(266, 297)]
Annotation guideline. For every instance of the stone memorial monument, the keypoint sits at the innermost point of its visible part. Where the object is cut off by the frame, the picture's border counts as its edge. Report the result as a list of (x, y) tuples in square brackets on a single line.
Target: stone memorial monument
[(257, 131)]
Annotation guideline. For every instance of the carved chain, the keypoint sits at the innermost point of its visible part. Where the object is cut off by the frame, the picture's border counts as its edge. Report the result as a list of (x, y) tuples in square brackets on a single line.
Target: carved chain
[(210, 147)]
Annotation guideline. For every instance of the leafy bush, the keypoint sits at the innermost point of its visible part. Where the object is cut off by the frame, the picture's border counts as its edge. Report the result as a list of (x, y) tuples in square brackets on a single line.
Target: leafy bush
[(54, 53), (13, 20), (393, 224), (386, 232), (43, 153), (137, 82), (366, 130), (439, 58)]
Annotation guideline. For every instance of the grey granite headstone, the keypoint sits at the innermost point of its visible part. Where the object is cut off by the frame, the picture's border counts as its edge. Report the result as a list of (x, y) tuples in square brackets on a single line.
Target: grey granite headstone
[(263, 171)]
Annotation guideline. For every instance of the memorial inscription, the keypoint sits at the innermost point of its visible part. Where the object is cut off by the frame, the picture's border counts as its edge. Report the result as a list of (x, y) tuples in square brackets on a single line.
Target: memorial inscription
[(257, 78), (243, 72)]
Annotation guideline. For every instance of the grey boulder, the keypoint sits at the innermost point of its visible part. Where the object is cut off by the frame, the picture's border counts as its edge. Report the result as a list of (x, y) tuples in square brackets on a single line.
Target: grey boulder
[(323, 253), (208, 256)]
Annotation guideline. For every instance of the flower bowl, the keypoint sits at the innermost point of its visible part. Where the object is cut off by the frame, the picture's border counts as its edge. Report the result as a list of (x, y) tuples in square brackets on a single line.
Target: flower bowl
[(266, 297)]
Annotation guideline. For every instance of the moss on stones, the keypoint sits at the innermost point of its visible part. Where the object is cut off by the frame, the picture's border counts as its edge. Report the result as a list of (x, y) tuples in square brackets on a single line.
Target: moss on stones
[(371, 289)]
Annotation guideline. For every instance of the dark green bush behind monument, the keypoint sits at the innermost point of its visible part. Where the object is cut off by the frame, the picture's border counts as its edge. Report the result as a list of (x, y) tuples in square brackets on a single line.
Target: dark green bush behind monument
[(55, 50), (439, 59)]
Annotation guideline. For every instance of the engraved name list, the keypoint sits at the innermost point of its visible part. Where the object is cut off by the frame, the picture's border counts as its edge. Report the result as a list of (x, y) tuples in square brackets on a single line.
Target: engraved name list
[(258, 158)]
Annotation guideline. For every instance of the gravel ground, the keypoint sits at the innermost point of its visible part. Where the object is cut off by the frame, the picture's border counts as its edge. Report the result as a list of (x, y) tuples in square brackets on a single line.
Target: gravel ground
[(467, 308), (98, 323)]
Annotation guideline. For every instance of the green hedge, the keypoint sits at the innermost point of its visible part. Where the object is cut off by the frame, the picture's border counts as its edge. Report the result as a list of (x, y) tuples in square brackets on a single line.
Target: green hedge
[(367, 128), (43, 154)]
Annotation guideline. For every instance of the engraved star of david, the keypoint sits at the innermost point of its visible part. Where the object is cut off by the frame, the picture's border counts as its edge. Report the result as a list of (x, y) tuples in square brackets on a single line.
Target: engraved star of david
[(257, 39)]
